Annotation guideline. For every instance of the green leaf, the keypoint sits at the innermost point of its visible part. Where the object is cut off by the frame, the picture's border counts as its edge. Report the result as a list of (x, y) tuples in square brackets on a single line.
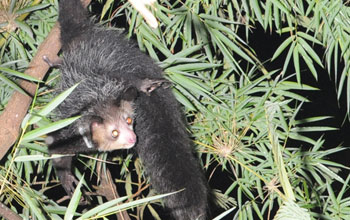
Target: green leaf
[(26, 158), (288, 57), (307, 60), (257, 11), (308, 37), (24, 27), (312, 119), (32, 8), (329, 172), (105, 8), (52, 105), (133, 204), (19, 74), (144, 32), (291, 211), (296, 63), (231, 45), (313, 129), (225, 213), (32, 202), (74, 202), (31, 135), (191, 67), (310, 51), (30, 158), (12, 84), (102, 207), (282, 47), (184, 100), (216, 18)]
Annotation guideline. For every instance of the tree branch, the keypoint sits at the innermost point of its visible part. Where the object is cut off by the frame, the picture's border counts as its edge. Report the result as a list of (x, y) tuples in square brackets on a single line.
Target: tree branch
[(8, 213), (17, 107)]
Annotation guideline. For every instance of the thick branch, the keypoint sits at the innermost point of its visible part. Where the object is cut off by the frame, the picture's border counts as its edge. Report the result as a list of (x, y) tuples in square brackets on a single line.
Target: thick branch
[(17, 107), (8, 213)]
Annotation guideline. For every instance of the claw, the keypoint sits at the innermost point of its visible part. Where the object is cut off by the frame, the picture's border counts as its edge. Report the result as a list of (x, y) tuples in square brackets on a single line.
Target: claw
[(56, 62), (69, 182)]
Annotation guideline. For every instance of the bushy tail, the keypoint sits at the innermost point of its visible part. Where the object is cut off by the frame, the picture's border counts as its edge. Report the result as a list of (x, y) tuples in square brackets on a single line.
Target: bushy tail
[(73, 19)]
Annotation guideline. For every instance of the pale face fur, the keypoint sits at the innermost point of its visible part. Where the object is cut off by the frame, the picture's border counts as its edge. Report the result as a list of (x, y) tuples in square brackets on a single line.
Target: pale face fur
[(116, 131)]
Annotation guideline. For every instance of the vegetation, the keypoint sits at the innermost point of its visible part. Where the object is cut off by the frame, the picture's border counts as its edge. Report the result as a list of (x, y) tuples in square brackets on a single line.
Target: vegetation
[(244, 117)]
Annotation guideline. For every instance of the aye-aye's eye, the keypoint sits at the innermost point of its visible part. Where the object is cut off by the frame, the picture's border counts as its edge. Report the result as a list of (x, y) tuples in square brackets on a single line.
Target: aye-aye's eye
[(115, 133), (129, 120)]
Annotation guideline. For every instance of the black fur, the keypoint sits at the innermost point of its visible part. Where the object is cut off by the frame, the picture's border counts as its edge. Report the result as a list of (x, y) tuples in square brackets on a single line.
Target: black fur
[(106, 63)]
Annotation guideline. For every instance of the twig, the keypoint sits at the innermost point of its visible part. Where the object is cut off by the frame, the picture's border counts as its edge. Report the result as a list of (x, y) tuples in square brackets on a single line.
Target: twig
[(107, 188)]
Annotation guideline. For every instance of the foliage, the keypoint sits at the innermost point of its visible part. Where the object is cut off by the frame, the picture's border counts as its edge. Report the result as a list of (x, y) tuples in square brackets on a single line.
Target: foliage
[(242, 115)]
